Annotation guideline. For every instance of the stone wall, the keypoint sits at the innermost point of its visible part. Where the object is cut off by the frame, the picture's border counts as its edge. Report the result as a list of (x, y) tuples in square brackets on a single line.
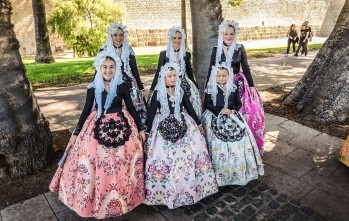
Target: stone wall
[(149, 20)]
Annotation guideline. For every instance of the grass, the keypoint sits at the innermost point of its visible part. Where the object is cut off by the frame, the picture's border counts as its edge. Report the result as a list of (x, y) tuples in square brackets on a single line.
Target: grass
[(72, 71), (274, 51), (65, 71)]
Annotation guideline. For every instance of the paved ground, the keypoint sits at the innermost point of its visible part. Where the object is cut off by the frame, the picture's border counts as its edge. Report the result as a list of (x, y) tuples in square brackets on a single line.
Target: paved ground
[(303, 179)]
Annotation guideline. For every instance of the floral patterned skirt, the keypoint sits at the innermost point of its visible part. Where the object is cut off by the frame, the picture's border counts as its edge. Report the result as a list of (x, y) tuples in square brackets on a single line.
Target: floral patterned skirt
[(180, 173), (234, 163), (252, 109), (96, 181)]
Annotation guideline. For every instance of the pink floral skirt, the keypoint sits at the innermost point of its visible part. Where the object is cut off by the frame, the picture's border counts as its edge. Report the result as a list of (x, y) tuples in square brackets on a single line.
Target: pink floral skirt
[(98, 181), (252, 109)]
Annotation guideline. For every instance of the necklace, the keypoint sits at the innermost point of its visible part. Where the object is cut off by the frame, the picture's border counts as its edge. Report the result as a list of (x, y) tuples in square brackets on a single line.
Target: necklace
[(172, 97), (222, 87), (226, 45), (117, 46)]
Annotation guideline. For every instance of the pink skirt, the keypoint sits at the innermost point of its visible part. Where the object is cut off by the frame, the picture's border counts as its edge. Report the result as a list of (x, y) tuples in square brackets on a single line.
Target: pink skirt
[(252, 109), (98, 181)]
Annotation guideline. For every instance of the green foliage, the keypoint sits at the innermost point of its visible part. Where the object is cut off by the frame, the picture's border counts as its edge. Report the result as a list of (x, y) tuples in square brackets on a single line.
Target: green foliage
[(83, 23), (234, 3)]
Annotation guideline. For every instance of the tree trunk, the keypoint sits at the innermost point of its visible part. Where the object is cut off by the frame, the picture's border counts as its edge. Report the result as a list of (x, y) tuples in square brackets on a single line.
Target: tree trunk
[(25, 137), (184, 21), (206, 17), (331, 17), (42, 38), (323, 92)]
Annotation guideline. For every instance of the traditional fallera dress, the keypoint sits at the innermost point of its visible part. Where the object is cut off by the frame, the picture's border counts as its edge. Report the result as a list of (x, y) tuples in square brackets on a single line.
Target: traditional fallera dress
[(129, 68), (189, 84), (178, 168), (235, 156), (102, 174), (252, 108)]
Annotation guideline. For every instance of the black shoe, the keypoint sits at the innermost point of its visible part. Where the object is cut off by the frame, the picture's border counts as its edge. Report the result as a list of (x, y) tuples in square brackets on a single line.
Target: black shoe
[(296, 54), (286, 53)]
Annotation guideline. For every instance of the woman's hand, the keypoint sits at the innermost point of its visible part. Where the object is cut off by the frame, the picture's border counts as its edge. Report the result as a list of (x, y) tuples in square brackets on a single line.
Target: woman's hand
[(142, 136), (226, 111), (253, 92)]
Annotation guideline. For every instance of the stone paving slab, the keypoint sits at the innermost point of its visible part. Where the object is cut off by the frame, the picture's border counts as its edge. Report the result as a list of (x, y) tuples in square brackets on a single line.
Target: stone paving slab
[(324, 167), (290, 166), (307, 143), (70, 215), (285, 183), (279, 132), (142, 213), (325, 205), (330, 140), (36, 208), (298, 128), (55, 204), (272, 119)]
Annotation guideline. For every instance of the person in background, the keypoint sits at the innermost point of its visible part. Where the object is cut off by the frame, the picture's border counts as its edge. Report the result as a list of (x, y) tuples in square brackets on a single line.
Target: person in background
[(292, 38), (303, 40)]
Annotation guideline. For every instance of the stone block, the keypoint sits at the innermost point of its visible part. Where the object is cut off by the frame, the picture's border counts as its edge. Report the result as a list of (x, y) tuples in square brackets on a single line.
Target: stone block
[(278, 146), (290, 166), (280, 132), (298, 128), (323, 165), (327, 139), (142, 212), (73, 216), (311, 144), (285, 183), (36, 208), (56, 205), (332, 202), (175, 214)]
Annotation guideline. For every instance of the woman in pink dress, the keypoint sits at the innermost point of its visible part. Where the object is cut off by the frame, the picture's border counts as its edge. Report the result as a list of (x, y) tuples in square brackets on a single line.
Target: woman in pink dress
[(234, 56), (102, 174)]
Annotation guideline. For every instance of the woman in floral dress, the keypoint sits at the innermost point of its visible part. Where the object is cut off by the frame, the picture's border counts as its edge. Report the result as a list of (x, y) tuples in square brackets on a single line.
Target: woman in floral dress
[(176, 53), (102, 174), (178, 168), (233, 149), (117, 43), (234, 56)]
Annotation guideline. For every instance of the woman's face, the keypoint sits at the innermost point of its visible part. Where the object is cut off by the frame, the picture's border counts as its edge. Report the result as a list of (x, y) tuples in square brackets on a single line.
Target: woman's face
[(108, 69), (229, 35), (118, 37), (170, 78), (293, 27), (222, 76), (176, 40)]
